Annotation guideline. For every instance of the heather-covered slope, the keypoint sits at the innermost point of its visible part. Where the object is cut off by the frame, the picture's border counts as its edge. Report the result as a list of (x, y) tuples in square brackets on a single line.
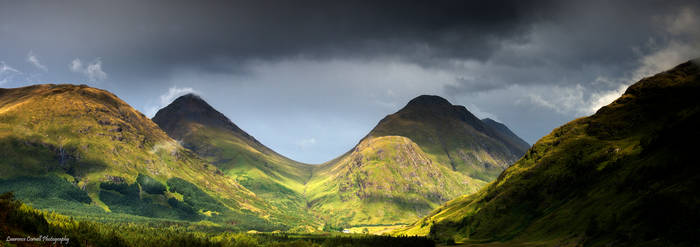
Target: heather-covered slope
[(82, 150), (625, 176), (275, 178), (412, 161)]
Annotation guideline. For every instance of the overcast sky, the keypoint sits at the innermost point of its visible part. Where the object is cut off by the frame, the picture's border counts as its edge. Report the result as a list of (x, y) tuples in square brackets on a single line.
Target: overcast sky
[(310, 78)]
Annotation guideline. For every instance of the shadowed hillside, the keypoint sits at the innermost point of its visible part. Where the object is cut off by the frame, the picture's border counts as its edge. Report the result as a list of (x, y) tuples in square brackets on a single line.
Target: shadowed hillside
[(625, 176)]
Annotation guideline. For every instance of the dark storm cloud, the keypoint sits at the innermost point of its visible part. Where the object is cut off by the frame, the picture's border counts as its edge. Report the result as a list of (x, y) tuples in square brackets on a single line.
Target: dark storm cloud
[(217, 34), (220, 36)]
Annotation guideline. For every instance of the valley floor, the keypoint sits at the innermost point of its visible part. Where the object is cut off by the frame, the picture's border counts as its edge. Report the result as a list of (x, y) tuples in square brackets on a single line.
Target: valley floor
[(19, 221)]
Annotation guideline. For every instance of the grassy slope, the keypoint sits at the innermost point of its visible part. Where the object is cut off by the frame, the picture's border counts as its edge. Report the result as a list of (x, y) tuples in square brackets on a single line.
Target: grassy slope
[(418, 158), (624, 176), (273, 177), (88, 137), (385, 180)]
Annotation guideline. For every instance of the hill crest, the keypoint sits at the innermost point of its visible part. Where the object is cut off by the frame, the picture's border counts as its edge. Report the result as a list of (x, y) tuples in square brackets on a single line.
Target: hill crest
[(192, 108)]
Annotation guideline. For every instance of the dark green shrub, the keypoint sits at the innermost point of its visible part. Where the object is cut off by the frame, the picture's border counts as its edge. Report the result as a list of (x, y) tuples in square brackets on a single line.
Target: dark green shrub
[(150, 185)]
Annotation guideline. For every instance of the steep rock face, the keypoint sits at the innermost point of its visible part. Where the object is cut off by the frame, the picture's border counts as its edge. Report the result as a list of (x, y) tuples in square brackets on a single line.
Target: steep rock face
[(210, 134), (413, 160), (624, 176), (99, 145)]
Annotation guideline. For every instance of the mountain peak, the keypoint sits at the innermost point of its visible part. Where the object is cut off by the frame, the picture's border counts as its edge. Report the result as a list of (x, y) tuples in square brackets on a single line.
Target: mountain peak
[(436, 108), (190, 96), (432, 121), (192, 108), (429, 101), (193, 102)]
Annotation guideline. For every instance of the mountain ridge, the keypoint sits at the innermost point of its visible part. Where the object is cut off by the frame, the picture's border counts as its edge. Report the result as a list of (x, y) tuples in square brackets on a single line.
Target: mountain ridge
[(213, 136), (504, 130), (192, 107)]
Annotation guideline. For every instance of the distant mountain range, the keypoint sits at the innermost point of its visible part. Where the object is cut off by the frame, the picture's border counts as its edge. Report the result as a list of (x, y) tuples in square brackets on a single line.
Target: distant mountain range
[(625, 176), (342, 193), (192, 163)]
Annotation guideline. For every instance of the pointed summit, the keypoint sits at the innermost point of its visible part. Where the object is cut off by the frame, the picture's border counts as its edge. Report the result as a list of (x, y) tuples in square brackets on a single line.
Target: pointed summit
[(434, 121), (193, 109), (190, 96), (432, 108), (429, 101), (192, 99)]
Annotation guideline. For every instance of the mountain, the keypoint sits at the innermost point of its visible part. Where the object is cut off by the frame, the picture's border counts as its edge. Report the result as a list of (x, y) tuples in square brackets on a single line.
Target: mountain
[(625, 176), (83, 151), (428, 152), (278, 180), (454, 135)]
